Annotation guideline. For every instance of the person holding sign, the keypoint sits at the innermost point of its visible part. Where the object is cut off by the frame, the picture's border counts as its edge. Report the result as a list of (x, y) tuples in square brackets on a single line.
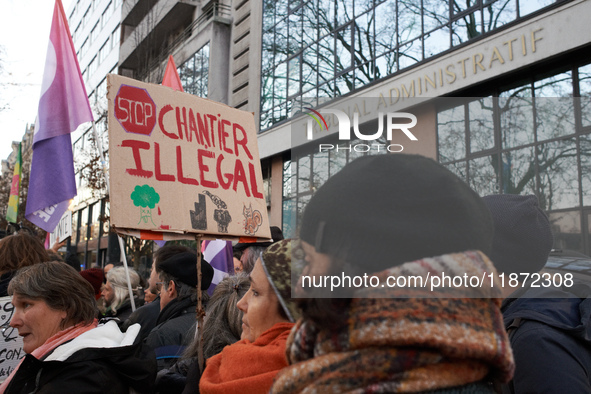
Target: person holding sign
[(67, 351), (222, 327), (176, 323)]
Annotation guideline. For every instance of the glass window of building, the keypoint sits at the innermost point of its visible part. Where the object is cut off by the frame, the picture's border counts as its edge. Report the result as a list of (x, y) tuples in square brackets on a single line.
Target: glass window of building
[(530, 138), (316, 50), (84, 48), (107, 14), (195, 71), (86, 17), (77, 147), (74, 228), (92, 66), (76, 33), (101, 97), (116, 37), (83, 225), (103, 52), (94, 32), (305, 172), (72, 14), (95, 212)]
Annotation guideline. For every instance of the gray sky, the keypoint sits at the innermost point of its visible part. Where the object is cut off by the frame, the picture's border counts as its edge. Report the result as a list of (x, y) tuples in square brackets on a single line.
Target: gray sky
[(24, 34)]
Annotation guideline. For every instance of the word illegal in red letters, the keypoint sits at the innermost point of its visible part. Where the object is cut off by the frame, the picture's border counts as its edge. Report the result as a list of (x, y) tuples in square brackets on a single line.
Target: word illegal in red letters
[(200, 167)]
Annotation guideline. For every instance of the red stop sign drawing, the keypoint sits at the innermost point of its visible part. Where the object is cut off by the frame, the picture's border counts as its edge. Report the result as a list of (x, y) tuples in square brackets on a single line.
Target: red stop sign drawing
[(135, 110)]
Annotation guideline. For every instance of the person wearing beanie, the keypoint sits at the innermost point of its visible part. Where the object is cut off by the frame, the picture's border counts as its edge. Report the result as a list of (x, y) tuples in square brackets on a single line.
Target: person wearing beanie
[(147, 315), (403, 217), (222, 327), (523, 238), (175, 326), (250, 365), (548, 326), (95, 277)]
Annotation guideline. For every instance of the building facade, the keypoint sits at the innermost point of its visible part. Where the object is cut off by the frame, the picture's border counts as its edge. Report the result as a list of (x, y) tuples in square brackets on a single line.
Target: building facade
[(499, 88), (95, 27), (495, 86)]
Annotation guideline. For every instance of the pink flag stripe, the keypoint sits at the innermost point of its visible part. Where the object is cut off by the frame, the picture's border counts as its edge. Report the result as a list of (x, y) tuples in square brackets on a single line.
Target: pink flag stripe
[(64, 103), (63, 106)]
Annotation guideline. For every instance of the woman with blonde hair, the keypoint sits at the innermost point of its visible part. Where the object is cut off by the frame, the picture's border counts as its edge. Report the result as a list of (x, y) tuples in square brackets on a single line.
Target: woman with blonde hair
[(116, 292)]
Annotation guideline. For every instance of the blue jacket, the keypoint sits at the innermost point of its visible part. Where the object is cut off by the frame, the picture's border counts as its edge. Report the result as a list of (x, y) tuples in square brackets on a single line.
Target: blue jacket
[(551, 339)]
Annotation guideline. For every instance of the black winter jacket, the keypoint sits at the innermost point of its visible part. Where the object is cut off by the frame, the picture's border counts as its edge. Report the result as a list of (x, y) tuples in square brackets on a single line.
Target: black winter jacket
[(124, 311), (175, 329), (551, 340), (89, 369), (146, 316)]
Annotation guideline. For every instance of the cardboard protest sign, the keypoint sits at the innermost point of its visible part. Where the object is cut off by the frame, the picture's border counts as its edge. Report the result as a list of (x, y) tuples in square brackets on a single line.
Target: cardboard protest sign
[(182, 164), (63, 229), (11, 345)]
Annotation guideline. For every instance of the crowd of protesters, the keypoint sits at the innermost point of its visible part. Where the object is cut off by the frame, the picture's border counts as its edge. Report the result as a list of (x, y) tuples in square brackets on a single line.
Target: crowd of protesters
[(265, 331)]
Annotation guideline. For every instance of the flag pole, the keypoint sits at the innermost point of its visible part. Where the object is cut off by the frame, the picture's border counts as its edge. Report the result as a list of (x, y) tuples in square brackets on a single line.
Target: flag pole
[(200, 312), (121, 245)]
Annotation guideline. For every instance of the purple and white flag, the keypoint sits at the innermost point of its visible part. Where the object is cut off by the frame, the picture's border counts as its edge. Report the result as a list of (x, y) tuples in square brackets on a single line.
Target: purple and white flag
[(63, 106), (219, 254)]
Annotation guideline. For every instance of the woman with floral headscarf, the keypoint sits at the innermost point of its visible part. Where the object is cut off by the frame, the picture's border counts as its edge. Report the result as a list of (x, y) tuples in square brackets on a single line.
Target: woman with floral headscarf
[(251, 364)]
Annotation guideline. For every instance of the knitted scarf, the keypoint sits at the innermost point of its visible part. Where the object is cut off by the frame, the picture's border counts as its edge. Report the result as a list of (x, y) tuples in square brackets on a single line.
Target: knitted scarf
[(247, 367), (51, 343), (404, 344)]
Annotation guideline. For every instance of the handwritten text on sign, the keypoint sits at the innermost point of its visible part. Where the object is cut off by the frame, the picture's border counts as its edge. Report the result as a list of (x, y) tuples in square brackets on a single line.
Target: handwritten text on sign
[(11, 345), (189, 164), (63, 229)]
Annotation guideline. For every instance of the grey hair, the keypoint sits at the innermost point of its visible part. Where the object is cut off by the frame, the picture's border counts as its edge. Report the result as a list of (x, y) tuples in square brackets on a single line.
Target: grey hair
[(118, 280), (223, 321), (183, 290), (250, 256), (61, 287)]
